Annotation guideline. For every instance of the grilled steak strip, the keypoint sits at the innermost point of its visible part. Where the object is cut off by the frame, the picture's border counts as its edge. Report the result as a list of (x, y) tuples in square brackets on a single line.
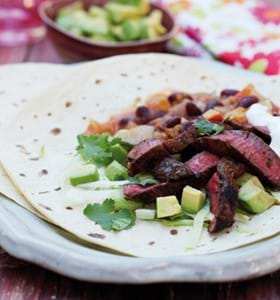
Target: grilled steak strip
[(261, 132), (149, 193), (203, 166), (223, 193), (143, 156), (183, 140), (170, 169), (247, 147)]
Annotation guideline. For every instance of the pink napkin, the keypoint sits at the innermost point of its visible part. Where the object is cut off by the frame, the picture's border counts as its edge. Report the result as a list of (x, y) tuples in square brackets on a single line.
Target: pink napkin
[(244, 33)]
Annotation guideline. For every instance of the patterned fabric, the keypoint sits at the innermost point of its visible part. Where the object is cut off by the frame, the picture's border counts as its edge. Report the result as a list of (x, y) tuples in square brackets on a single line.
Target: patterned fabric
[(244, 33)]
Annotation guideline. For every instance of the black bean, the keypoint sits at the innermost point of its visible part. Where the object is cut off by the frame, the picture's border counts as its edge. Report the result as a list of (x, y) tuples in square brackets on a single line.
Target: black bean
[(213, 103), (171, 122), (124, 121), (247, 101), (192, 110), (143, 114), (178, 97), (228, 92)]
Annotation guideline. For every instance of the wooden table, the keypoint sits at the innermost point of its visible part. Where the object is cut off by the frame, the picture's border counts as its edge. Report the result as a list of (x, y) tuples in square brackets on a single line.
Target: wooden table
[(20, 280)]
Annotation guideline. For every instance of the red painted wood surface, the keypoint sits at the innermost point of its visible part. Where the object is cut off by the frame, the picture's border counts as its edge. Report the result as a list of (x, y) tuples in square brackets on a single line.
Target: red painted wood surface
[(24, 281)]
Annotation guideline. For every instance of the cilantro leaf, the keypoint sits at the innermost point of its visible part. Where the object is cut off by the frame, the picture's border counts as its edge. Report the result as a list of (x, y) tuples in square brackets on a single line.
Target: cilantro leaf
[(204, 127), (97, 148), (143, 179), (108, 217), (128, 2)]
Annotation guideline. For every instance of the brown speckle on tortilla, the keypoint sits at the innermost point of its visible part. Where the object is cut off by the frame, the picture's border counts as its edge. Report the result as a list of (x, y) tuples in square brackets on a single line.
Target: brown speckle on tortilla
[(2, 92), (49, 114), (68, 104), (43, 192), (68, 207), (139, 88), (84, 118), (124, 75), (43, 172), (139, 76), (34, 158), (22, 174), (35, 116), (23, 100), (35, 140), (56, 131), (44, 206), (97, 236), (151, 243), (98, 81), (203, 77), (173, 231), (152, 74), (57, 189), (21, 127)]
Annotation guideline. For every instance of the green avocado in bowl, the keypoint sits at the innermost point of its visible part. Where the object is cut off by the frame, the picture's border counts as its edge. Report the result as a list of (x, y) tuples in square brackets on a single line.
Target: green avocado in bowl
[(117, 21)]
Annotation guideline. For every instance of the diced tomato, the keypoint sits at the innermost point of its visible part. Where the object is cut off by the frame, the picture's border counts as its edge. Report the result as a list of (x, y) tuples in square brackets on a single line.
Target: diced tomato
[(213, 115)]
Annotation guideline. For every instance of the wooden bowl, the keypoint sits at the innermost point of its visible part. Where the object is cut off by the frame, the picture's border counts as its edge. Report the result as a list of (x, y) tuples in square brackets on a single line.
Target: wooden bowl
[(76, 46)]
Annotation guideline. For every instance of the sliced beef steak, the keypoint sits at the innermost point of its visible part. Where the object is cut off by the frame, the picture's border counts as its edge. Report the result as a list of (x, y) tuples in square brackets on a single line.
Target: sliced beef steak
[(223, 193), (170, 169), (247, 147), (183, 140), (203, 165), (143, 156), (260, 131), (149, 193)]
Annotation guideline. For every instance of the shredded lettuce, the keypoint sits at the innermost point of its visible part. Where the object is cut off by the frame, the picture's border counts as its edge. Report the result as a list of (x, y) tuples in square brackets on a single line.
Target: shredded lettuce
[(197, 229)]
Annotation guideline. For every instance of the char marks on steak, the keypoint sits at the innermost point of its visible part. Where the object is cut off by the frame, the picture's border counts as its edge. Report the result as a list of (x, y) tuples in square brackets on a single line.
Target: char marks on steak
[(183, 140), (170, 169), (223, 193), (260, 131), (149, 193), (143, 156), (248, 148), (203, 166)]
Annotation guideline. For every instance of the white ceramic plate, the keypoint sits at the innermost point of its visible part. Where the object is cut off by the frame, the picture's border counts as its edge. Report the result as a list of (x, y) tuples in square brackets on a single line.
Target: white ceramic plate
[(25, 236)]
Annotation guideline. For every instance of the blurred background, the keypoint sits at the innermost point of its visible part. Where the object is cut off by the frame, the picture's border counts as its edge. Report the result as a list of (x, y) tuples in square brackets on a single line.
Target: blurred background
[(244, 33)]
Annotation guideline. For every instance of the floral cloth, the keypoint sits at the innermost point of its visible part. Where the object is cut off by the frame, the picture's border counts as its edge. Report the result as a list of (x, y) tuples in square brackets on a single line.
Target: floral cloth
[(244, 33)]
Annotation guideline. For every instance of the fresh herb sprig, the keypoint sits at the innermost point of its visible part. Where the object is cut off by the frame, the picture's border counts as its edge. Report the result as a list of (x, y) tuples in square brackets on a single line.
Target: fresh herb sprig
[(204, 127), (108, 217)]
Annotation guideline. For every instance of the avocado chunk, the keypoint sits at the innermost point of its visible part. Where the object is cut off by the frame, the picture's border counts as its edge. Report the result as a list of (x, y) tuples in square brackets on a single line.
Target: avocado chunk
[(145, 214), (128, 204), (119, 153), (255, 199), (118, 13), (116, 171), (192, 199), (97, 11), (86, 174), (167, 206), (246, 177), (131, 29)]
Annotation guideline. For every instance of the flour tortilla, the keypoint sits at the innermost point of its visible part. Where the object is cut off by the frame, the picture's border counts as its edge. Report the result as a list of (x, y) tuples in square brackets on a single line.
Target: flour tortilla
[(18, 84), (100, 90)]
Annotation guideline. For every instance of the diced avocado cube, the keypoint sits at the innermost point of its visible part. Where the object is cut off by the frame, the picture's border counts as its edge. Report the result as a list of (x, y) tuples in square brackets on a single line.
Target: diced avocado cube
[(255, 199), (89, 25), (167, 206), (119, 153), (86, 174), (103, 38), (131, 29), (66, 22), (246, 177), (154, 20), (192, 199), (128, 204), (116, 171), (117, 32), (118, 13), (97, 11)]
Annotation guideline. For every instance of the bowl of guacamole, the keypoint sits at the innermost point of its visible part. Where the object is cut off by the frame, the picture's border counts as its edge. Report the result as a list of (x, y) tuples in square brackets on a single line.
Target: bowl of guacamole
[(93, 29)]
